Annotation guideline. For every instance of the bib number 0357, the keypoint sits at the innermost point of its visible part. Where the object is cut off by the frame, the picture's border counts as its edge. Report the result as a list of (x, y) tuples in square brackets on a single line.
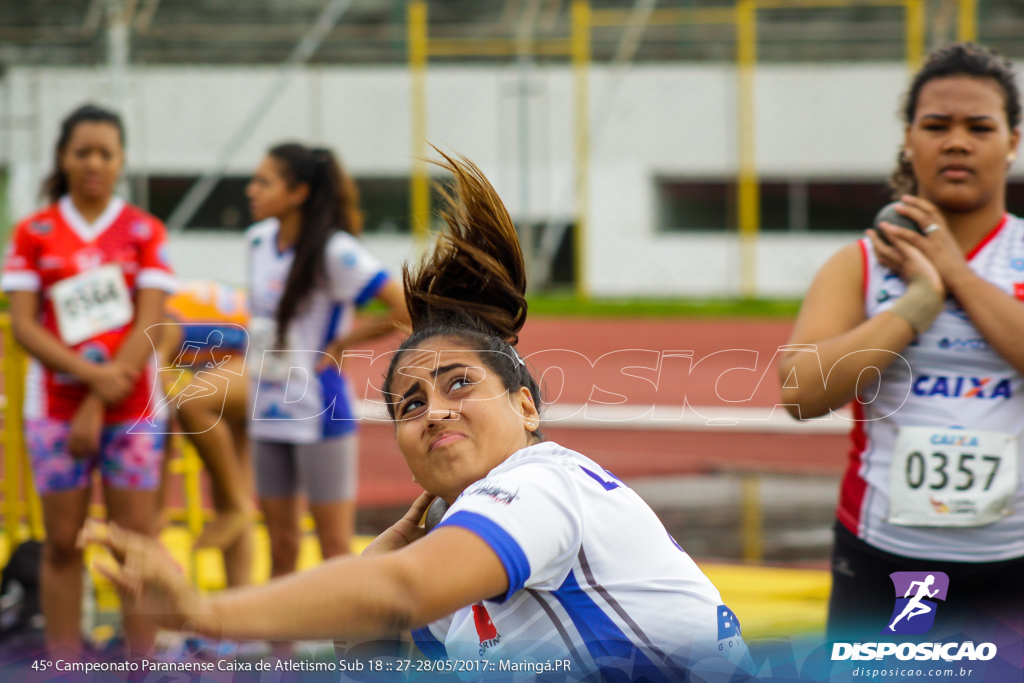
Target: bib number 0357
[(952, 477), (936, 471)]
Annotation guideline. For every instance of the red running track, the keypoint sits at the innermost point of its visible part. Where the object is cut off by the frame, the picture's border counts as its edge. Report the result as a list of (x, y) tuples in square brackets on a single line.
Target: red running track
[(592, 354)]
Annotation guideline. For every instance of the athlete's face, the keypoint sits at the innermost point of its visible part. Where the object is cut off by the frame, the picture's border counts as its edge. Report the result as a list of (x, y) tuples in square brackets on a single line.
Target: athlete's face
[(92, 160), (270, 194), (960, 142), (455, 421)]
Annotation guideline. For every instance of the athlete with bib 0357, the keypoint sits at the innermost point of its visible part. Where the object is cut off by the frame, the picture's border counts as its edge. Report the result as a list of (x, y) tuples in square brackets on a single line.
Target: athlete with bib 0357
[(922, 331), (87, 277)]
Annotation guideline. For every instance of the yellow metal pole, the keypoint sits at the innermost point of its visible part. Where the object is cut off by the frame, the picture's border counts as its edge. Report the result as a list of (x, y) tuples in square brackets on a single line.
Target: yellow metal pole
[(915, 33), (35, 507), (420, 188), (748, 195), (192, 468), (581, 102), (13, 435), (191, 471), (753, 523), (967, 22)]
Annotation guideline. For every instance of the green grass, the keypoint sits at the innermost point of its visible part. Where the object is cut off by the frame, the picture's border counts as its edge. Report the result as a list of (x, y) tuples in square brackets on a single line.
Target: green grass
[(551, 305), (569, 305)]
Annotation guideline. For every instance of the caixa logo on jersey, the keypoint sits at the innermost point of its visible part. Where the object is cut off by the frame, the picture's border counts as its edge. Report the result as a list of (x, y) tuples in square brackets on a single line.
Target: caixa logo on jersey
[(918, 597), (962, 386)]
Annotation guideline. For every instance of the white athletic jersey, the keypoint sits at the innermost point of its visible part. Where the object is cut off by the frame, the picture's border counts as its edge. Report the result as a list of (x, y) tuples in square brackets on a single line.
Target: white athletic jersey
[(594, 579), (286, 401), (952, 379)]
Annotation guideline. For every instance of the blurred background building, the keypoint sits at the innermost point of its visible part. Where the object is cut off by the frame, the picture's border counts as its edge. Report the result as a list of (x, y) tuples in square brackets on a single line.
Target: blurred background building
[(677, 176)]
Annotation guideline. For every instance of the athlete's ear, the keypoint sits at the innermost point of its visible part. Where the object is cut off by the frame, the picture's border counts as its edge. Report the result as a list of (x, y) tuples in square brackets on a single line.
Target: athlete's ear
[(525, 405), (299, 193)]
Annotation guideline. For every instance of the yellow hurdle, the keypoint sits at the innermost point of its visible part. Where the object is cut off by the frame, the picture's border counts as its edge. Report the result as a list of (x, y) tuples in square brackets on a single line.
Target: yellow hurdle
[(17, 473)]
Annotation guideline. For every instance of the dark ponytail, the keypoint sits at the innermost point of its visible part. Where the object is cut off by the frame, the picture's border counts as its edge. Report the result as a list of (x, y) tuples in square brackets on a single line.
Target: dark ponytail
[(55, 185), (472, 288), (960, 59), (332, 205)]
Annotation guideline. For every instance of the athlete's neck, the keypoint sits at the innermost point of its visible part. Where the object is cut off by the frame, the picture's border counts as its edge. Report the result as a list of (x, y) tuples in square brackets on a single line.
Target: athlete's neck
[(90, 208), (969, 228), (289, 227)]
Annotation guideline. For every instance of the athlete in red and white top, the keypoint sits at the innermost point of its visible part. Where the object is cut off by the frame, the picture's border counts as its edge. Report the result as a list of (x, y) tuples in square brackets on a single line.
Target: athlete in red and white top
[(86, 277), (922, 331)]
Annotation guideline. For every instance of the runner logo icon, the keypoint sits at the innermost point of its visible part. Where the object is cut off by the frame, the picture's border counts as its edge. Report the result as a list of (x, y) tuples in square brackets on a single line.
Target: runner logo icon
[(916, 596)]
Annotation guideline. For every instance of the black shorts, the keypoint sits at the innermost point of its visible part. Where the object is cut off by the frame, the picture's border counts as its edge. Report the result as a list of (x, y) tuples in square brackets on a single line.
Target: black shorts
[(863, 596)]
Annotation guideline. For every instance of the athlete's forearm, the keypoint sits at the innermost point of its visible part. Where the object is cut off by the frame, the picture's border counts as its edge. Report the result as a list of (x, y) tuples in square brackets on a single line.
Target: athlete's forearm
[(49, 350), (143, 340), (343, 597), (998, 316), (827, 379), (372, 328)]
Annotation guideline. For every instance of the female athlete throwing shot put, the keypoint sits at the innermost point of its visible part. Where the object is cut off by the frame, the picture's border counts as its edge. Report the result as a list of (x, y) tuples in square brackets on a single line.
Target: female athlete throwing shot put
[(542, 556)]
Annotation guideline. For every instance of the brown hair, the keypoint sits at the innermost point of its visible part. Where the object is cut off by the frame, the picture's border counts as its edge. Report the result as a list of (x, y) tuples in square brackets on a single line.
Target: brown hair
[(476, 275), (55, 185), (960, 59), (472, 287)]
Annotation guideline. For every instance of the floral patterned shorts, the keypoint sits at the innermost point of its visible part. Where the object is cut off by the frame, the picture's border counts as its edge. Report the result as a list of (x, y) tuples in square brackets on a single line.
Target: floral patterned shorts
[(129, 456)]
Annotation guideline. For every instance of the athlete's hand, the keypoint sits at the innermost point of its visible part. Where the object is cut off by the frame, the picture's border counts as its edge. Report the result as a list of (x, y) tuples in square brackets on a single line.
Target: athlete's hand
[(150, 579), (405, 531), (938, 244), (86, 428), (113, 381), (335, 354), (904, 258)]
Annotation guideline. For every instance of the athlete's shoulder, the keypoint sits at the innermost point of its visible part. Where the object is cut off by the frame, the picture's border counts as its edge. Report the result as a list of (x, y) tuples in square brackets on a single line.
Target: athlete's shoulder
[(257, 233), (545, 457), (341, 239), (846, 270), (1014, 224), (343, 245), (39, 224), (142, 225)]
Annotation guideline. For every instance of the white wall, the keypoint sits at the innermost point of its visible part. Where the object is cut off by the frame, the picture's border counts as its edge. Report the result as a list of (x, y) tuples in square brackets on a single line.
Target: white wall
[(836, 121)]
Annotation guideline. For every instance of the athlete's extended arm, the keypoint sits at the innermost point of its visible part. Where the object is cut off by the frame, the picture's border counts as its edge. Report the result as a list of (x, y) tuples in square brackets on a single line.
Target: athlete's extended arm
[(168, 344), (832, 319), (343, 597), (136, 350), (111, 381)]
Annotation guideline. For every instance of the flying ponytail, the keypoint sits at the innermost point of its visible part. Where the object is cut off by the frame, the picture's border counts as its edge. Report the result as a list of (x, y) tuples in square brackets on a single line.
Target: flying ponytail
[(476, 276), (472, 287)]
